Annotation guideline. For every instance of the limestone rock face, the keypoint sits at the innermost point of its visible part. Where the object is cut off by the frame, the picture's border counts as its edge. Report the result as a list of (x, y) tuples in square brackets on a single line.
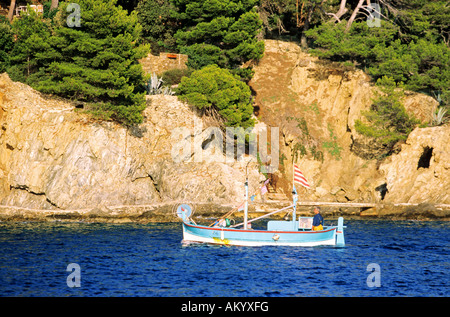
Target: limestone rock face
[(53, 157), (316, 104), (421, 171)]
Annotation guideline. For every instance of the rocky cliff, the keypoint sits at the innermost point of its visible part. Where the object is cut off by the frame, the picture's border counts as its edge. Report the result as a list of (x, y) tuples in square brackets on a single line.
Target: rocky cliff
[(316, 104), (53, 157)]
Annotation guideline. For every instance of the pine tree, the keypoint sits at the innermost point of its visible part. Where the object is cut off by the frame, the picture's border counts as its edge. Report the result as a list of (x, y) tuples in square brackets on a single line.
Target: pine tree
[(387, 120), (31, 48), (218, 32), (158, 24), (6, 43), (97, 62)]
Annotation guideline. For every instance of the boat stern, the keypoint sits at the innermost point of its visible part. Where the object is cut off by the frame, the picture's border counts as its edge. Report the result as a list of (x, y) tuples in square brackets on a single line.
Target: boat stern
[(340, 240)]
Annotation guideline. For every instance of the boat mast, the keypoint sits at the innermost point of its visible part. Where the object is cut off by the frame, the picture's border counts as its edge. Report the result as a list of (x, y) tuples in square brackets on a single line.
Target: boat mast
[(246, 198), (294, 203)]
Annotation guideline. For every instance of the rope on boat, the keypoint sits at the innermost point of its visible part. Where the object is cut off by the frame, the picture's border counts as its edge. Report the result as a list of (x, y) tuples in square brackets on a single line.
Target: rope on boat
[(232, 210), (263, 216), (226, 215)]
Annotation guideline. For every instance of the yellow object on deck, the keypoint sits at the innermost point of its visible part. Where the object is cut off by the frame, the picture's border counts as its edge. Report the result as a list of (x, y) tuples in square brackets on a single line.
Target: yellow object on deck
[(317, 228)]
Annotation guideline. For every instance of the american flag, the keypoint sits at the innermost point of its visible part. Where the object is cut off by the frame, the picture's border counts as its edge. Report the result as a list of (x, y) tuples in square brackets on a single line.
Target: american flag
[(263, 190), (299, 177)]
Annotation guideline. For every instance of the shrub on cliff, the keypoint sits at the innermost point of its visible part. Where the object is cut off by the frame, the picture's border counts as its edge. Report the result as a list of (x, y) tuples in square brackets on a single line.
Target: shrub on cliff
[(387, 120), (215, 90)]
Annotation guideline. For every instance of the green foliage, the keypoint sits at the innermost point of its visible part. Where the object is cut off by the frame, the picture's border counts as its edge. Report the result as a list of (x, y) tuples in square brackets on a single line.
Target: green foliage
[(209, 32), (332, 146), (412, 49), (218, 32), (49, 13), (174, 76), (315, 108), (359, 45), (202, 54), (411, 46), (213, 89), (6, 43), (298, 150), (158, 24), (95, 63), (317, 154), (424, 19), (433, 66), (282, 159), (306, 142), (388, 121), (31, 50), (246, 74), (242, 40), (286, 18)]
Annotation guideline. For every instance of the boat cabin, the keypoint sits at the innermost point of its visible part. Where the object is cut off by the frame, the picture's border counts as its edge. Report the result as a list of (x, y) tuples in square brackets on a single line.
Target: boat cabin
[(303, 224)]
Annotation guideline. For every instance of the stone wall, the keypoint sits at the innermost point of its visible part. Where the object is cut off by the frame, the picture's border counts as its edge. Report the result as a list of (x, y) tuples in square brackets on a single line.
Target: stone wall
[(163, 62)]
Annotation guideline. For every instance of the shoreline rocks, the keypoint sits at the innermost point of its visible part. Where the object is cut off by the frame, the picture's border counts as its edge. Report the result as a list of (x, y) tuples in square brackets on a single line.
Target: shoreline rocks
[(165, 212)]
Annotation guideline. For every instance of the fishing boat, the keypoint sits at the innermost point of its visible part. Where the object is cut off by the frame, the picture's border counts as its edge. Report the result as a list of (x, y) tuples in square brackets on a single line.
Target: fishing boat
[(294, 232)]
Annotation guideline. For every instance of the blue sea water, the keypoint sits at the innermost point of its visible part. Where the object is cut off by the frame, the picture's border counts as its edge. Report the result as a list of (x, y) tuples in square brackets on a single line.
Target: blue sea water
[(148, 260)]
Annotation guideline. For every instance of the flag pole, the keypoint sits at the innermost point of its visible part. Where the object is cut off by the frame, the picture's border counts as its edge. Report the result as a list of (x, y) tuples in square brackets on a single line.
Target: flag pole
[(246, 205), (294, 190), (294, 198)]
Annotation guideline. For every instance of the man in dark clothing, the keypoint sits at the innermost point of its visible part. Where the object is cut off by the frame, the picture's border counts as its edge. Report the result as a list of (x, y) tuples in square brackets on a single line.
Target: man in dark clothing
[(317, 220)]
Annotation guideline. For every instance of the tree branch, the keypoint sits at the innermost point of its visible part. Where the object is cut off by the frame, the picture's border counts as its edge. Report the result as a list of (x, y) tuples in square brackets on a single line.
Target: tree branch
[(342, 9), (353, 16), (11, 10), (337, 16)]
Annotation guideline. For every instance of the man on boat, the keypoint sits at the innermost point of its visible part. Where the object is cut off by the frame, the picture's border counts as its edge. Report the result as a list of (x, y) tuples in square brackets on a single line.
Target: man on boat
[(317, 220)]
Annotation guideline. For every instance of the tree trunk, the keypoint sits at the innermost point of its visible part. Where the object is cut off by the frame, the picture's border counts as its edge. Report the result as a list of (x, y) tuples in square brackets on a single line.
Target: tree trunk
[(342, 9), (54, 4), (11, 10), (352, 18), (303, 42)]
